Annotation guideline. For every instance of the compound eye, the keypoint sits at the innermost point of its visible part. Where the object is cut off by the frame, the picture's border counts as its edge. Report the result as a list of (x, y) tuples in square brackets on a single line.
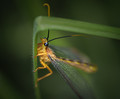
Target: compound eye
[(44, 37), (46, 44)]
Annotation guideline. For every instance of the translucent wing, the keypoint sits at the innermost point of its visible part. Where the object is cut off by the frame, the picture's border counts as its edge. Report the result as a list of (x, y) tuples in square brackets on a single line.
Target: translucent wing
[(73, 58), (73, 78), (69, 53), (70, 73)]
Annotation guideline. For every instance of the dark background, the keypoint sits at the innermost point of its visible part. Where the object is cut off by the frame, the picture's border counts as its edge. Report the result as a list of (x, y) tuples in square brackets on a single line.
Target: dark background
[(17, 17)]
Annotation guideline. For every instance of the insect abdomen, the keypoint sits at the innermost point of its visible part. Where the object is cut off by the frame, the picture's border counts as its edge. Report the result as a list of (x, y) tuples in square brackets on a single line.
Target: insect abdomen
[(84, 66)]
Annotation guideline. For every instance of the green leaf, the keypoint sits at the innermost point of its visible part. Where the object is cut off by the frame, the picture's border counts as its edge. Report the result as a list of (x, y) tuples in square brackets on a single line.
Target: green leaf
[(51, 23)]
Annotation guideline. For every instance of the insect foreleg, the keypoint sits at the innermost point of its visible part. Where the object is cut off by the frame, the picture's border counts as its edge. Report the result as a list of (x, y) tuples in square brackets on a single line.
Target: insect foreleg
[(40, 54), (44, 66)]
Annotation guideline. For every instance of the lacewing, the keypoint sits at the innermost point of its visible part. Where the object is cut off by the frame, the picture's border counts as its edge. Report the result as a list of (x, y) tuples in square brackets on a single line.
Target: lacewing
[(66, 61)]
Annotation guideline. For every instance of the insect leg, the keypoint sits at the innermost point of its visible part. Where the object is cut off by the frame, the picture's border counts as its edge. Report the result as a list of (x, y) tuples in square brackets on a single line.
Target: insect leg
[(39, 54), (44, 66)]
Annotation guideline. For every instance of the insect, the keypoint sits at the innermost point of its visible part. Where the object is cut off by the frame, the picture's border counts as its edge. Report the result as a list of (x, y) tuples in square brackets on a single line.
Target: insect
[(47, 55), (65, 60)]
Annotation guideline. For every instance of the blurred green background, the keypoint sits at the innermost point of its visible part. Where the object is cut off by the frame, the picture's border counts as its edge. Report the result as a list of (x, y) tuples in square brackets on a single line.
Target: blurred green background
[(17, 17)]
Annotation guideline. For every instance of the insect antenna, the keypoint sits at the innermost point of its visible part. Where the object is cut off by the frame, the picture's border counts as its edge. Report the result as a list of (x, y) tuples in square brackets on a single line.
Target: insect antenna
[(63, 37), (46, 4), (48, 35)]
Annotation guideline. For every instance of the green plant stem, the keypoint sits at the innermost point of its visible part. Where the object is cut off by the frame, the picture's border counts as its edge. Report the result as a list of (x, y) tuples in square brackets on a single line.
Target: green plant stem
[(35, 74)]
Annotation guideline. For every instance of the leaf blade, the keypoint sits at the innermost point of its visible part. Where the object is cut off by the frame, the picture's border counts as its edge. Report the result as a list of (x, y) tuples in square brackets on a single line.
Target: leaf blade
[(44, 23)]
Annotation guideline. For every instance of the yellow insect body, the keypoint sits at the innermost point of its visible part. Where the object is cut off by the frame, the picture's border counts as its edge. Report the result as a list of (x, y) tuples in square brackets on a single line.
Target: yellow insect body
[(50, 54), (83, 66), (44, 51)]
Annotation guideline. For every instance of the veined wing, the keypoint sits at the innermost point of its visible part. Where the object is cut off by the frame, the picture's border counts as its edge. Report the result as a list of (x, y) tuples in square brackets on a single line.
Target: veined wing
[(73, 58), (73, 78), (69, 53)]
